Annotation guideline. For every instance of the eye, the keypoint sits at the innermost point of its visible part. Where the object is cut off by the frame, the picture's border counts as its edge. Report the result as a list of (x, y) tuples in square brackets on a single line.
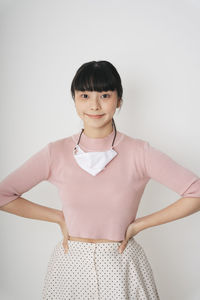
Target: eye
[(107, 95), (82, 95)]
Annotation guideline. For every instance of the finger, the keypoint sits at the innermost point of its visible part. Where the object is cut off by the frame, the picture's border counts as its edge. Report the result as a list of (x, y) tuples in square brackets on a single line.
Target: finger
[(122, 246), (65, 244)]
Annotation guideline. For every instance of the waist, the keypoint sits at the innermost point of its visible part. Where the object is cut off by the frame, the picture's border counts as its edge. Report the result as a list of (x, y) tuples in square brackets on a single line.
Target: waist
[(73, 238)]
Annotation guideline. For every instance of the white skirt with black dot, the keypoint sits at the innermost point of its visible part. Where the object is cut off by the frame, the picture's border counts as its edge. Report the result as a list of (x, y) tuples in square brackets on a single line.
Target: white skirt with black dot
[(98, 271)]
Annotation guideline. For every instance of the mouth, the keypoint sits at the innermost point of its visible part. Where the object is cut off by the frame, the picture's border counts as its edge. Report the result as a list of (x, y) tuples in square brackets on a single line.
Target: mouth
[(95, 116)]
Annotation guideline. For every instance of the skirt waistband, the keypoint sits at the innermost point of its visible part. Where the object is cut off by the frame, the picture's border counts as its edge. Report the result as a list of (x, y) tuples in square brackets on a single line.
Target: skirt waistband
[(87, 240)]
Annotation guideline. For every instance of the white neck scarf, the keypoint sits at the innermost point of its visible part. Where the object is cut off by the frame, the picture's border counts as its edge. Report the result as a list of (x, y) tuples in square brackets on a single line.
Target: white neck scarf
[(93, 162)]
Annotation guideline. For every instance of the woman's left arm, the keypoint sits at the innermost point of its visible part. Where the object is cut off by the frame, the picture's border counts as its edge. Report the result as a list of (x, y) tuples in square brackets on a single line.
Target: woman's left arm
[(159, 166), (168, 172), (181, 208)]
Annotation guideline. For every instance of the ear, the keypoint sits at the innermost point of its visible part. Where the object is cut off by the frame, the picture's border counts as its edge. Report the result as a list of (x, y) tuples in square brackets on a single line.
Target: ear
[(119, 102)]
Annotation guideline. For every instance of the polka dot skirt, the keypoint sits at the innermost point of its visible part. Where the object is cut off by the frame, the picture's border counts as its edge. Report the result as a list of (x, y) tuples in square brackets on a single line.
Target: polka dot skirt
[(99, 271)]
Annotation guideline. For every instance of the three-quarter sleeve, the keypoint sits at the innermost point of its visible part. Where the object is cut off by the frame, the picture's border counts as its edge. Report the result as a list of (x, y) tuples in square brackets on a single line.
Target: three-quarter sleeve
[(162, 168), (30, 173)]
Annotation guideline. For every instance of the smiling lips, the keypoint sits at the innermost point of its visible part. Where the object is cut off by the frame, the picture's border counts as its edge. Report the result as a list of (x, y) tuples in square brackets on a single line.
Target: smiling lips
[(95, 116)]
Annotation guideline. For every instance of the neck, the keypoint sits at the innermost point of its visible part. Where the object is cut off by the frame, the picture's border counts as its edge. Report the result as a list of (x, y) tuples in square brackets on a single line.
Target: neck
[(97, 144), (96, 133)]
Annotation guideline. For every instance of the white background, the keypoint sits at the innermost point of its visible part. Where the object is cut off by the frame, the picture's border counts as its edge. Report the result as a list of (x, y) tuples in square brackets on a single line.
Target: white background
[(155, 47)]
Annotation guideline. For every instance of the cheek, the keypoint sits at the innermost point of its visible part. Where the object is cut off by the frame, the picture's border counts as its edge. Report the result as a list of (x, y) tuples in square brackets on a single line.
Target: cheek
[(111, 106), (80, 106)]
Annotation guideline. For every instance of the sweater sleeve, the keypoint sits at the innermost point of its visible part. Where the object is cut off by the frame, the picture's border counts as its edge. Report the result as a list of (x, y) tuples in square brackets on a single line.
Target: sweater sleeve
[(168, 172), (30, 173)]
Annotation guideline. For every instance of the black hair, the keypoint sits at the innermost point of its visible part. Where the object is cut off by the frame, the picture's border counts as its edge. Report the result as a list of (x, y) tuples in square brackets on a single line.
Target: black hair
[(97, 76)]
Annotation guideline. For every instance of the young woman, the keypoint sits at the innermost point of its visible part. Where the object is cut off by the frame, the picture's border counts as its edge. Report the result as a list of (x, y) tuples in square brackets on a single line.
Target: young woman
[(101, 174)]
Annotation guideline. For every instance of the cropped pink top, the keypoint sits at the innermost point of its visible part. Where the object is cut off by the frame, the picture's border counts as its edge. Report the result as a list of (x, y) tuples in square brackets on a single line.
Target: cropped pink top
[(101, 206)]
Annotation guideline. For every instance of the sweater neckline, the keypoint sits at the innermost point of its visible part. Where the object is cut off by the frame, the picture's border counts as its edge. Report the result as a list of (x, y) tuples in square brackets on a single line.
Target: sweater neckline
[(97, 144)]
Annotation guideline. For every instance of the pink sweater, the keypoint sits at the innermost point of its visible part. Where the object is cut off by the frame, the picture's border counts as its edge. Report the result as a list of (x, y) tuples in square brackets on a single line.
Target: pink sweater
[(100, 206)]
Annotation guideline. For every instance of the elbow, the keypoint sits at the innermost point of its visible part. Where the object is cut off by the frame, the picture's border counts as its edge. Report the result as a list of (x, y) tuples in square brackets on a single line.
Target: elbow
[(5, 201)]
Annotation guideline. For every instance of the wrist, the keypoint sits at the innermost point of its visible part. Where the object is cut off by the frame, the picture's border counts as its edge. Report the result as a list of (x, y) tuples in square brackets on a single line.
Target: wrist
[(140, 224)]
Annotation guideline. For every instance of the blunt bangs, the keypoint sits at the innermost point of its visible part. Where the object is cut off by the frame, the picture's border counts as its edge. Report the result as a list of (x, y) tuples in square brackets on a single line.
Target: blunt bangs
[(97, 76)]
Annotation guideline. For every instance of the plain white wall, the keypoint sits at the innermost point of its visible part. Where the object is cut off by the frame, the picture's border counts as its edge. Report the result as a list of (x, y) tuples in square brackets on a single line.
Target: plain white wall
[(155, 46)]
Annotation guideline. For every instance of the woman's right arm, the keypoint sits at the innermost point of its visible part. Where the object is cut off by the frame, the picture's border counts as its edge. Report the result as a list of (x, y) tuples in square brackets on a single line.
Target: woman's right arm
[(34, 170), (27, 209)]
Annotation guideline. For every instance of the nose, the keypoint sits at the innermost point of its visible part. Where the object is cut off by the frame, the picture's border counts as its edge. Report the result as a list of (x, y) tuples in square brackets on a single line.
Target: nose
[(94, 102)]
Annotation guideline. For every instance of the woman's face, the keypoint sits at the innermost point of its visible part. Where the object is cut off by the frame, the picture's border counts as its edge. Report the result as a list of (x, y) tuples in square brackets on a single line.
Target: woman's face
[(96, 103)]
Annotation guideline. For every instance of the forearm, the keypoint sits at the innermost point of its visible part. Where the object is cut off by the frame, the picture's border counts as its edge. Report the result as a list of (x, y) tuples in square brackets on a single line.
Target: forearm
[(181, 208), (28, 209)]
